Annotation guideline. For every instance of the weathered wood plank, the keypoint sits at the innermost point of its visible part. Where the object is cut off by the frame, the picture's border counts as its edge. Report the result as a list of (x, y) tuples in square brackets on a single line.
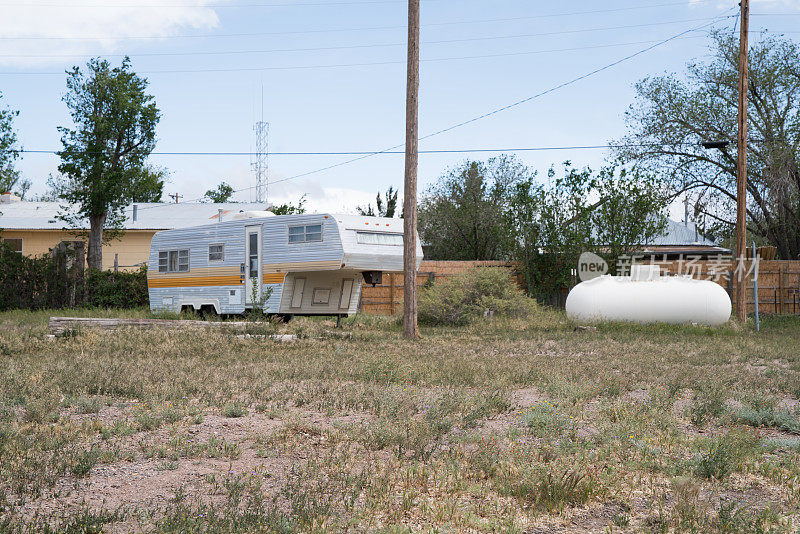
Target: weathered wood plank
[(58, 325)]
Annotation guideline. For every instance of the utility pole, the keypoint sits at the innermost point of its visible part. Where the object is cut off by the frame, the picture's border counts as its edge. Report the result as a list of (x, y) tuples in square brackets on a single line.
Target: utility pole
[(176, 196), (741, 169), (410, 188)]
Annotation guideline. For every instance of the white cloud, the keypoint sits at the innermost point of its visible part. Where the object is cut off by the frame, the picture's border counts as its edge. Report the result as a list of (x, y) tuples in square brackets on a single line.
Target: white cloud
[(29, 31), (319, 197)]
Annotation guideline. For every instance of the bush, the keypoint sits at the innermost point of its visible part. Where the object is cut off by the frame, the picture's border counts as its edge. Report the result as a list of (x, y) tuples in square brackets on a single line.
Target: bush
[(726, 454), (107, 289), (467, 296), (56, 281), (36, 282)]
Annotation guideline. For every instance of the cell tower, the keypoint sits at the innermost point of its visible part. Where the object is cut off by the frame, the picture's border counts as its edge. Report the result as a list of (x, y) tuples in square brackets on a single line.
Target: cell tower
[(260, 163)]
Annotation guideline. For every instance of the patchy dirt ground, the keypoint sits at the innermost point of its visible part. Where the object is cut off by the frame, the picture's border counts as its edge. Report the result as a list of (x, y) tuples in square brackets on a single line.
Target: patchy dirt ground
[(507, 426)]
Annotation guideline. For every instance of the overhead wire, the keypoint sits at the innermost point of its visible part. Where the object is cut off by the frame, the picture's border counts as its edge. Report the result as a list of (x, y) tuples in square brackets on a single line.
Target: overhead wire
[(494, 111), (514, 104), (360, 64), (369, 45), (386, 152), (348, 30)]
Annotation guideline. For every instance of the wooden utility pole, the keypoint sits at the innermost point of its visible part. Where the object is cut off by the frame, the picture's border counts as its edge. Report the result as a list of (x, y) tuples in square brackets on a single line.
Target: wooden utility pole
[(410, 188), (741, 169)]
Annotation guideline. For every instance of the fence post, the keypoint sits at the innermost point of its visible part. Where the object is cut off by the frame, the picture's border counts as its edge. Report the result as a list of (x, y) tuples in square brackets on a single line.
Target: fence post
[(391, 293), (116, 262), (755, 286)]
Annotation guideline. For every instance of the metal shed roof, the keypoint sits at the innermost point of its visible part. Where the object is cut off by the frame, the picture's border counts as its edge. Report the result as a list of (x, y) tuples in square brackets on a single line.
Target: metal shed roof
[(149, 216), (680, 234)]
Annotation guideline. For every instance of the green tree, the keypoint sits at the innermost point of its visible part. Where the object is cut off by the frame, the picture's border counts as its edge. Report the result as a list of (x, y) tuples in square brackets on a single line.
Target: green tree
[(9, 177), (463, 215), (290, 209), (222, 193), (611, 212), (673, 113), (384, 207), (149, 187), (103, 162)]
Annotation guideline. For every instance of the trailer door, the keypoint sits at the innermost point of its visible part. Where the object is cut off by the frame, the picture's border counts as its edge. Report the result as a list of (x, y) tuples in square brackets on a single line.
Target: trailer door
[(253, 246)]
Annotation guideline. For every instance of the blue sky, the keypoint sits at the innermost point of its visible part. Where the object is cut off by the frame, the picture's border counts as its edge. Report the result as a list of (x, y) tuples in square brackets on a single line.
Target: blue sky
[(333, 78)]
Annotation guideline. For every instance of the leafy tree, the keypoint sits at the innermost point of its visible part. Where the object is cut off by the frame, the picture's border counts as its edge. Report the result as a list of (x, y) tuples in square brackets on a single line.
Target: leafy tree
[(553, 224), (383, 207), (9, 177), (289, 208), (672, 114), (463, 215), (222, 193), (103, 162), (149, 187), (12, 182)]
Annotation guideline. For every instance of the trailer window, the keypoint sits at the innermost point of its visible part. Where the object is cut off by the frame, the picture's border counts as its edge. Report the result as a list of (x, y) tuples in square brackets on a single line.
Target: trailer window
[(216, 252), (173, 261), (379, 238), (305, 234)]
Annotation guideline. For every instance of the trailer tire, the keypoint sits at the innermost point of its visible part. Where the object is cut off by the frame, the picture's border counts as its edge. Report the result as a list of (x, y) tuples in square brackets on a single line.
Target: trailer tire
[(208, 311)]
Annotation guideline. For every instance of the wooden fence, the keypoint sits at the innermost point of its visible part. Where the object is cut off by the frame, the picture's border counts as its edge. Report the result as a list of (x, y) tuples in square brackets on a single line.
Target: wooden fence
[(778, 282), (387, 298)]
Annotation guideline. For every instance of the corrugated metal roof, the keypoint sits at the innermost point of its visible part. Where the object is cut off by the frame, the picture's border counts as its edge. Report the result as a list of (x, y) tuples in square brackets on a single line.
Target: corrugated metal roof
[(165, 216), (149, 216), (678, 233)]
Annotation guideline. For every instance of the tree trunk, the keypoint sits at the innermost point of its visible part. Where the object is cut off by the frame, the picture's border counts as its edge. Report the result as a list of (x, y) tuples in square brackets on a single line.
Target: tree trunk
[(94, 253)]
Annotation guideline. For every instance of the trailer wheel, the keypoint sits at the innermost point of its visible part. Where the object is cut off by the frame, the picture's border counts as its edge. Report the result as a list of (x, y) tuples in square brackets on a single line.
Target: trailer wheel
[(208, 312)]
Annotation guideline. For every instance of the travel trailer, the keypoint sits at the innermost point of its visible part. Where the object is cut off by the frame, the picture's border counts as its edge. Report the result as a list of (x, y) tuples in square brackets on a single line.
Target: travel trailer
[(287, 265)]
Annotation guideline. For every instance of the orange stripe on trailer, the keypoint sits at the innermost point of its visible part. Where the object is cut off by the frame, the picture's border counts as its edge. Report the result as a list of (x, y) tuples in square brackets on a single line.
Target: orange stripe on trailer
[(195, 281), (273, 278)]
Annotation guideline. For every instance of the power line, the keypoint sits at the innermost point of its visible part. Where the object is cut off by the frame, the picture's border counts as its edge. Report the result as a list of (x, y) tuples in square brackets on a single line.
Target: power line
[(370, 45), (512, 105), (385, 152), (362, 64), (393, 149), (346, 30)]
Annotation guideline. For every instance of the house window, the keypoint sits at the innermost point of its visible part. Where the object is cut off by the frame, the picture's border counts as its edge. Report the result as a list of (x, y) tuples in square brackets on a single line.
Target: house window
[(379, 238), (15, 242), (173, 261), (305, 234), (216, 252)]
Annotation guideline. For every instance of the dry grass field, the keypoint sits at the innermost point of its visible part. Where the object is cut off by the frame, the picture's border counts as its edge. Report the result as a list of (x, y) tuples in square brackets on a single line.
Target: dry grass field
[(503, 425)]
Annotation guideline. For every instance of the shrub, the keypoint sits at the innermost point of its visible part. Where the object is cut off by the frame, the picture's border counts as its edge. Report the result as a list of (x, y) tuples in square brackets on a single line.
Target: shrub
[(55, 281), (726, 454), (551, 491), (234, 409), (84, 461), (768, 417), (466, 296), (109, 289)]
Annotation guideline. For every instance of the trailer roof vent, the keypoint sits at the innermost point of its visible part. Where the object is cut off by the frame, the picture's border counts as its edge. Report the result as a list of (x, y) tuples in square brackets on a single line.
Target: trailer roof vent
[(252, 215)]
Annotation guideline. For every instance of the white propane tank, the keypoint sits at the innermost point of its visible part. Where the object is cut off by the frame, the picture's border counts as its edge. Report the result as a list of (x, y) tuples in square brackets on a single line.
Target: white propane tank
[(647, 297)]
